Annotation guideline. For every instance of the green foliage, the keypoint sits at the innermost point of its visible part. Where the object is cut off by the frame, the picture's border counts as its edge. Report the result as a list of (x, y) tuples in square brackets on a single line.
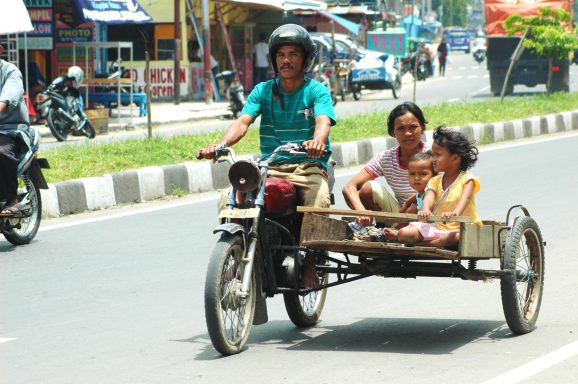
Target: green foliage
[(454, 12), (550, 34)]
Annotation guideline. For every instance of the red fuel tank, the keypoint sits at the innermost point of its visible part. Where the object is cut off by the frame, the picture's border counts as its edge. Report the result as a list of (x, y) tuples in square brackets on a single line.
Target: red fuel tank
[(280, 197)]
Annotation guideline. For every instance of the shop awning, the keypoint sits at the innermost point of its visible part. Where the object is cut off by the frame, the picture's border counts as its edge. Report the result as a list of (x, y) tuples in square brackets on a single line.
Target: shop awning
[(349, 25), (279, 5), (14, 18), (112, 12)]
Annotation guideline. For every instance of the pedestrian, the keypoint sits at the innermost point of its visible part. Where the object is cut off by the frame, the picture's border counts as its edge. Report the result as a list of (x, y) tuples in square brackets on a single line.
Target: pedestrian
[(451, 193), (442, 56), (261, 59), (13, 120), (406, 123)]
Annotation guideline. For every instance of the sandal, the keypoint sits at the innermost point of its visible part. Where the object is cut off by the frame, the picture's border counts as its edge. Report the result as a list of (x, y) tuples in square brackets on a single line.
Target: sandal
[(11, 211)]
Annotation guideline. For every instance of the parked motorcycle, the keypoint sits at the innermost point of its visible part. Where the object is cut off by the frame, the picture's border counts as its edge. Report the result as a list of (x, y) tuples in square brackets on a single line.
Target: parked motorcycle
[(324, 78), (258, 255), (61, 105), (235, 91), (21, 228)]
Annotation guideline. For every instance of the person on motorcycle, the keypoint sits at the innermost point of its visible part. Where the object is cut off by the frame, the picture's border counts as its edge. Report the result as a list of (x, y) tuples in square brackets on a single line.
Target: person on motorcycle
[(424, 50), (13, 125), (293, 108), (70, 80)]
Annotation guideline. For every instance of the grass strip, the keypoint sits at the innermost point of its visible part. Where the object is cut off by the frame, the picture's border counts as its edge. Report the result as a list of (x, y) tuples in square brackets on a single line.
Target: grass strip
[(72, 162)]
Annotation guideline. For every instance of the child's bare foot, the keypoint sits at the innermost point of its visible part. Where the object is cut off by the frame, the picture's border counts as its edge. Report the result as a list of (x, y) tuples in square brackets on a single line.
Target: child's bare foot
[(390, 234)]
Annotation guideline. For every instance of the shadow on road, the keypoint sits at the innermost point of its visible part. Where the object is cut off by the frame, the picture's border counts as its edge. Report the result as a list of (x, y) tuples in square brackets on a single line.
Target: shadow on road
[(400, 335)]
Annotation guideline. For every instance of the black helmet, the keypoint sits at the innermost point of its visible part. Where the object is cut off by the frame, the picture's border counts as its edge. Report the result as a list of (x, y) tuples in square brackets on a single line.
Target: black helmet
[(292, 34)]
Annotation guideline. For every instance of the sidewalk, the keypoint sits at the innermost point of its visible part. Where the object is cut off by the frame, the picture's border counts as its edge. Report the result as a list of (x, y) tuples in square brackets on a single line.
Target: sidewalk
[(161, 113)]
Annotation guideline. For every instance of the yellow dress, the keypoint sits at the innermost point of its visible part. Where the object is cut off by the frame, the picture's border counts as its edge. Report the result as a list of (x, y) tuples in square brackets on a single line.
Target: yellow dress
[(447, 200)]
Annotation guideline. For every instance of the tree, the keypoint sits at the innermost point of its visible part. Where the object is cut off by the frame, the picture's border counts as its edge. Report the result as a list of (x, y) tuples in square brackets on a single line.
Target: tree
[(550, 34), (454, 12)]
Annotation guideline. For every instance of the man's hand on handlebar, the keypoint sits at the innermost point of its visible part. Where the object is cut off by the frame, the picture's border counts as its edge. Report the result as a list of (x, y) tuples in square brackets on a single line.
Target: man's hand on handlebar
[(315, 148), (207, 153)]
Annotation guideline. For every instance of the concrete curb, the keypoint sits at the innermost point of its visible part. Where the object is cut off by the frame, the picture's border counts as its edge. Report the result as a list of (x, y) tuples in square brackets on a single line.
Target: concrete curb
[(151, 183)]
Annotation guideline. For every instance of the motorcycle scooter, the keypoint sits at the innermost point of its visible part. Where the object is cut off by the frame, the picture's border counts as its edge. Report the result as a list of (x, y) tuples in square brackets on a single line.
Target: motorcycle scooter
[(258, 255), (21, 228), (479, 50), (235, 91), (63, 112)]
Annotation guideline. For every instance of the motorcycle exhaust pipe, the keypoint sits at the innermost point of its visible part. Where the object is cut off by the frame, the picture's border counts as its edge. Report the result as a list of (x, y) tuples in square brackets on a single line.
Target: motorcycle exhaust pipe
[(67, 116)]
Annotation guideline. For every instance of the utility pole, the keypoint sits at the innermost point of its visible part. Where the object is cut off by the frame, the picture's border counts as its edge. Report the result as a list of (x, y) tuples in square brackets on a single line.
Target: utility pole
[(177, 53), (207, 52)]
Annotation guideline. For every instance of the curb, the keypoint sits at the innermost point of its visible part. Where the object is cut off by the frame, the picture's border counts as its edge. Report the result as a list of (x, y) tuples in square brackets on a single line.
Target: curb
[(150, 183)]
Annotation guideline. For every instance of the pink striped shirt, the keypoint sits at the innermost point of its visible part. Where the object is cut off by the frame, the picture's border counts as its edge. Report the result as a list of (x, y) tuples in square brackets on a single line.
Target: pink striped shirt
[(386, 164)]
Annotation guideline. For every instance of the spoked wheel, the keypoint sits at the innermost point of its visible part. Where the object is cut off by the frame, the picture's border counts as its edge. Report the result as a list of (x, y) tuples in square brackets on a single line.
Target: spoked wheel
[(21, 230), (57, 124), (88, 130), (228, 312), (522, 289), (305, 310)]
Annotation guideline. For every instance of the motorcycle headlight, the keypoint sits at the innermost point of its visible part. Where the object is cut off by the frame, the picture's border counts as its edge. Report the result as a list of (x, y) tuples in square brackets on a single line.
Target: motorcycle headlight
[(244, 175)]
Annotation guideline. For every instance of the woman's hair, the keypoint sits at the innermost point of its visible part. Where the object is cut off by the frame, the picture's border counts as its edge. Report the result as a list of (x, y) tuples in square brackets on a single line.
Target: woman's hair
[(457, 143), (401, 110)]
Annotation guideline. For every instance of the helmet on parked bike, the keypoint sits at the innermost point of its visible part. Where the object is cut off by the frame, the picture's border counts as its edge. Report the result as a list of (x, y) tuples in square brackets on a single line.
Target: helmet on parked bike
[(76, 74), (296, 35)]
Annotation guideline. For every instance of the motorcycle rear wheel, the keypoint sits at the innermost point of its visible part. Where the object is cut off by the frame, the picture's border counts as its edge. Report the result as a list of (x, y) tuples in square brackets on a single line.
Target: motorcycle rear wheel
[(28, 224), (229, 317), (305, 311), (58, 126)]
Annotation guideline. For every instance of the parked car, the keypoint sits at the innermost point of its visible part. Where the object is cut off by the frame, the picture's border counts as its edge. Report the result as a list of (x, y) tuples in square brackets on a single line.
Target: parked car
[(348, 43), (324, 44)]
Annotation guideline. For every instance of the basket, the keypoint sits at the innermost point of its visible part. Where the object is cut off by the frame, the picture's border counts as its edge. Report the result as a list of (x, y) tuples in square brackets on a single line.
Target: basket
[(99, 119)]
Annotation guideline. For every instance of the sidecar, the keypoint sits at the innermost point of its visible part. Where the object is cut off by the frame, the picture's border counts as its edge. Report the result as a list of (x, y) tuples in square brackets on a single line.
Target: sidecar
[(376, 72)]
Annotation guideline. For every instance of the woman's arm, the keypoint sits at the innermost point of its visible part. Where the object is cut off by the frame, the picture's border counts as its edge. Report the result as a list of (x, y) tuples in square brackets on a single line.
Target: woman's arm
[(351, 194)]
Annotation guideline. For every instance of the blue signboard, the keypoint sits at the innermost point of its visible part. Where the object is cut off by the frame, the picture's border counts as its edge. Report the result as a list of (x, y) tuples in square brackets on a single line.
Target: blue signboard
[(392, 41), (72, 35), (113, 11)]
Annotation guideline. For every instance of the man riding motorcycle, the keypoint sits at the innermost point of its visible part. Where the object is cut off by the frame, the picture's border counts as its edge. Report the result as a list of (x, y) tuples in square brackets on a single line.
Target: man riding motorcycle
[(13, 125), (293, 108)]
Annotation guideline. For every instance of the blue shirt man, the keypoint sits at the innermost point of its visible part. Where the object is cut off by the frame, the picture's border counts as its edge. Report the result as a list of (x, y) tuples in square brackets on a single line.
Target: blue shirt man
[(292, 109)]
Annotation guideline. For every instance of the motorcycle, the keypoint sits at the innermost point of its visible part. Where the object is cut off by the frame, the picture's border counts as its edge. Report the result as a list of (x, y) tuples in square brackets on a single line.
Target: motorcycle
[(258, 255), (235, 91), (61, 105), (421, 72), (479, 53), (21, 228), (324, 78)]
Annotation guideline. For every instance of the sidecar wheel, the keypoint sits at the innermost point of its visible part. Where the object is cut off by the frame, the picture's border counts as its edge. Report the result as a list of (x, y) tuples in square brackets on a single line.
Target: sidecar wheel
[(305, 311), (229, 316), (22, 230), (522, 290)]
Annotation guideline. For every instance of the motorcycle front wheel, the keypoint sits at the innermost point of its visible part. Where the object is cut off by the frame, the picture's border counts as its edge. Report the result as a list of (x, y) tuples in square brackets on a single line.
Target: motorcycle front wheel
[(396, 88), (57, 124), (305, 310), (21, 230), (228, 312)]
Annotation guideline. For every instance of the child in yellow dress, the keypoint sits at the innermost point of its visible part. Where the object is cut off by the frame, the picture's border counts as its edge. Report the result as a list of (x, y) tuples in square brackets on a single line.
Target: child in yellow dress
[(452, 192)]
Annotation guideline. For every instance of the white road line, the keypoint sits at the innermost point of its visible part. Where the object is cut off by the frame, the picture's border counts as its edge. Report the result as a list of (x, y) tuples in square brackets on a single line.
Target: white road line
[(537, 365), (5, 339), (472, 76), (457, 77)]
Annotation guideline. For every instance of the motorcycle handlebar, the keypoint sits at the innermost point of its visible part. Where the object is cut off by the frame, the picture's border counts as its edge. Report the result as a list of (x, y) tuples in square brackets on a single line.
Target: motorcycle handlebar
[(222, 150)]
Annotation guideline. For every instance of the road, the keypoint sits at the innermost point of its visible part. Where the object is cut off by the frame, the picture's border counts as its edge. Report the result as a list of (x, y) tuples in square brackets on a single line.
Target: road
[(117, 297)]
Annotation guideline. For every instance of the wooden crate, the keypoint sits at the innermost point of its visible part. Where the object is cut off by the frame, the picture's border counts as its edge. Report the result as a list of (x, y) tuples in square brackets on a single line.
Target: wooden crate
[(99, 119)]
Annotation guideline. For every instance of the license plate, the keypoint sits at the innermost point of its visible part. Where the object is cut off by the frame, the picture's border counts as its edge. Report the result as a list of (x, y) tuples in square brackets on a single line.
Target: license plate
[(249, 213)]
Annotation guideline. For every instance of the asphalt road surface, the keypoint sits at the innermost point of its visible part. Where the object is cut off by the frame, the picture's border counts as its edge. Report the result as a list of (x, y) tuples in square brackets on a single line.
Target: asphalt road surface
[(117, 297)]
